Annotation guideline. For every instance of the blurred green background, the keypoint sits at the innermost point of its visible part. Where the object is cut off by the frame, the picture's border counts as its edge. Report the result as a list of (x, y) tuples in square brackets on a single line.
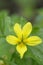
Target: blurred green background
[(21, 11)]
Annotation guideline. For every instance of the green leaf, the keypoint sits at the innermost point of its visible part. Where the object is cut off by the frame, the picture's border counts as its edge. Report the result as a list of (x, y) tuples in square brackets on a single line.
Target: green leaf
[(24, 61), (6, 50), (36, 52)]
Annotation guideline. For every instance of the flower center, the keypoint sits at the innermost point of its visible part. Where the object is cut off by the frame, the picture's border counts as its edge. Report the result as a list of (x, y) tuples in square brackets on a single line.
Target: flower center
[(22, 40)]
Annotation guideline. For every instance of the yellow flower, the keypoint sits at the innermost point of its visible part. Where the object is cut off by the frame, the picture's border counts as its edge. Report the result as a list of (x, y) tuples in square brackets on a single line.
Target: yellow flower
[(22, 38)]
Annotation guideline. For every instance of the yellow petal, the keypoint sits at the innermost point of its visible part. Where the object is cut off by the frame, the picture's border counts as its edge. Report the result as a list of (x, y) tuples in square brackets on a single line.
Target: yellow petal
[(33, 41), (27, 29), (21, 49), (17, 30), (12, 40)]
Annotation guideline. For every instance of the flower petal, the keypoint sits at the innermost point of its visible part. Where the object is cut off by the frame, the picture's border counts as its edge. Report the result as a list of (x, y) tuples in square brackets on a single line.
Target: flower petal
[(12, 40), (21, 49), (33, 40), (27, 29), (18, 31)]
